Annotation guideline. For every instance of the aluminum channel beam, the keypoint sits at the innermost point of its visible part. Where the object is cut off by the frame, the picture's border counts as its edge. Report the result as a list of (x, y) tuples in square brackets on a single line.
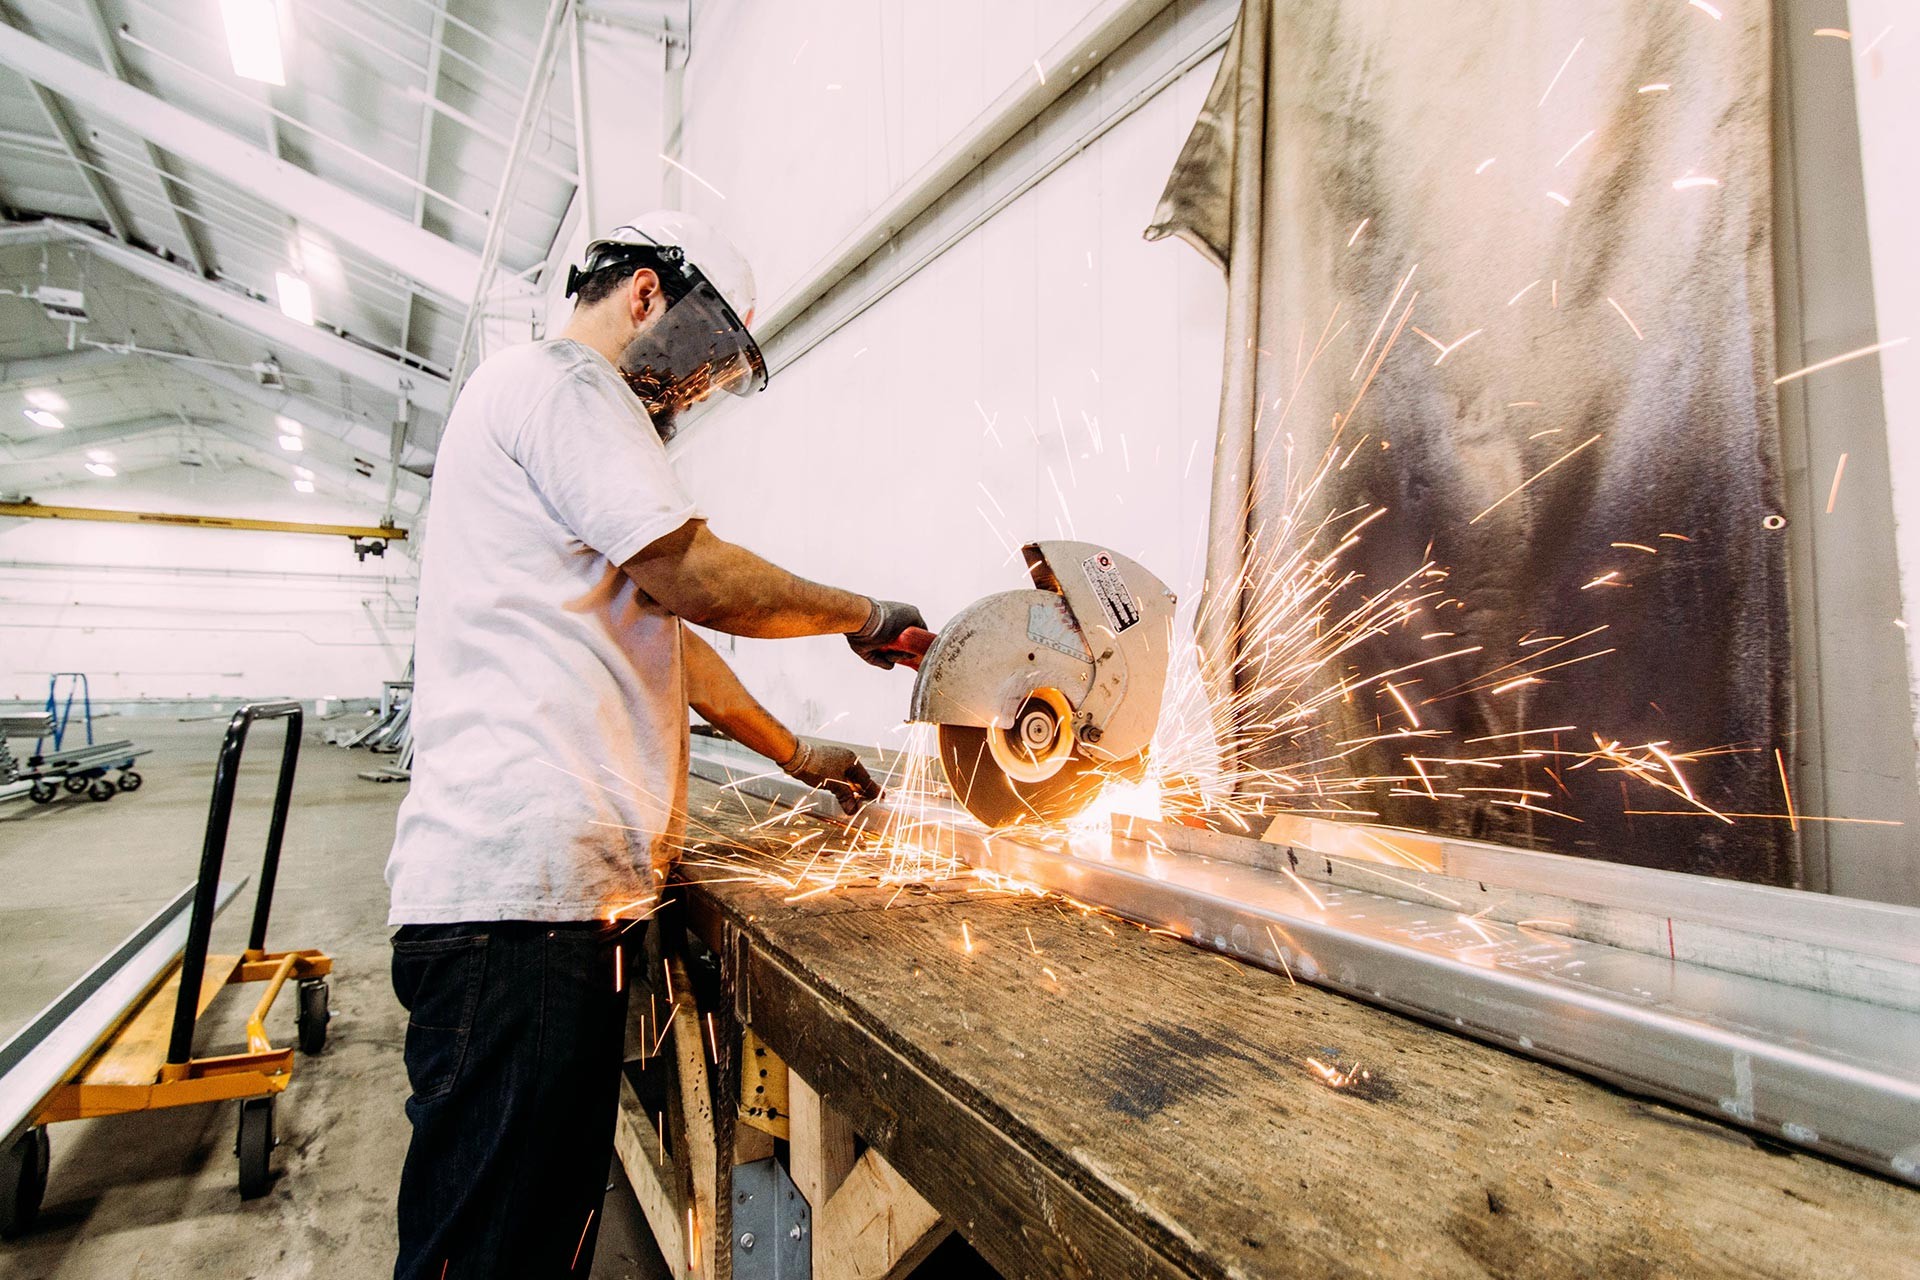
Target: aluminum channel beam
[(1833, 1074), (43, 1052)]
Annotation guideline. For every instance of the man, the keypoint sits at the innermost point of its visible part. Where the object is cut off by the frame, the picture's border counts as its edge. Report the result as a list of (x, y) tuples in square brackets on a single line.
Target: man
[(550, 733)]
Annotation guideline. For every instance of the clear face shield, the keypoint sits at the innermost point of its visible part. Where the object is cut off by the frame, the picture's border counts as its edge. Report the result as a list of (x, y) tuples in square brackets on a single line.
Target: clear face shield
[(697, 348)]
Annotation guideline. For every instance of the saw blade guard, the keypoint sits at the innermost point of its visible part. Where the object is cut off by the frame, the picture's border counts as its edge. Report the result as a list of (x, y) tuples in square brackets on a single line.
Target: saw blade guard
[(1094, 631), (995, 655), (1124, 615)]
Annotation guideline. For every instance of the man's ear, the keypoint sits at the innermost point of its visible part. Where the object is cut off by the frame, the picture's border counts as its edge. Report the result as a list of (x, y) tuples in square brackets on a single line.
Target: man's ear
[(643, 294)]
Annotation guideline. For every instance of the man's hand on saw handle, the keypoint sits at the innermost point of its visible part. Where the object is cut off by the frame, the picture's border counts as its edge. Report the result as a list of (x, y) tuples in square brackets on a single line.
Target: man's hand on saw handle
[(881, 640), (833, 768)]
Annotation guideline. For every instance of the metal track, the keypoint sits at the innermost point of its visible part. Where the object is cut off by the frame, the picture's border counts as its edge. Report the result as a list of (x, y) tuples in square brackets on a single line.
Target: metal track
[(1797, 1061), (63, 1034)]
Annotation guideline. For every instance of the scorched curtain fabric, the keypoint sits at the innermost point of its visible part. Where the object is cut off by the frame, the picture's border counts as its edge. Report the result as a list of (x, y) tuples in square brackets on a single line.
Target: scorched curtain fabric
[(1500, 279)]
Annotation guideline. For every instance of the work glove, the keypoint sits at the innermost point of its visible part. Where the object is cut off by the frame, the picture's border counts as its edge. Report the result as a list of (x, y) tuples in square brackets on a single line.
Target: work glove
[(833, 768), (879, 640)]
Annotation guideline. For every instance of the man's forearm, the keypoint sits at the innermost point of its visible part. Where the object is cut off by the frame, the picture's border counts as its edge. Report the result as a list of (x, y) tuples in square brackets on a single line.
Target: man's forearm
[(714, 583), (723, 702)]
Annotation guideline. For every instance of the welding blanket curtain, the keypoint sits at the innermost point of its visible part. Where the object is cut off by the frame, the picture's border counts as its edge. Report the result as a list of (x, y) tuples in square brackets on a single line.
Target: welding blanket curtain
[(1504, 270)]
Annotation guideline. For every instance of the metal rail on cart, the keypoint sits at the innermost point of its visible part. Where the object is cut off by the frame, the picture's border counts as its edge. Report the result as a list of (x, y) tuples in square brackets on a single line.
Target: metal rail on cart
[(96, 1051)]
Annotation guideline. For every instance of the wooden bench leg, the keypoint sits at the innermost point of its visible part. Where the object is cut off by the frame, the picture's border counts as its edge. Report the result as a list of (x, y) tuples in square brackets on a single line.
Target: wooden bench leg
[(868, 1223), (822, 1143)]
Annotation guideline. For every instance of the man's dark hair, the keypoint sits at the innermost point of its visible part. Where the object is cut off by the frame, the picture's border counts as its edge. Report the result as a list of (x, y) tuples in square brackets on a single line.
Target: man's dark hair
[(603, 282)]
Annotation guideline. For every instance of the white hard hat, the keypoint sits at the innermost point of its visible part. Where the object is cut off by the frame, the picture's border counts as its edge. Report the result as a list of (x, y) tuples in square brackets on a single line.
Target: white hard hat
[(703, 246)]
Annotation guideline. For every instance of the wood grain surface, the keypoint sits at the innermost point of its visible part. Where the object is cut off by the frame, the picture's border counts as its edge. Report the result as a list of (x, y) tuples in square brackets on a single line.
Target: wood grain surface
[(1083, 1098)]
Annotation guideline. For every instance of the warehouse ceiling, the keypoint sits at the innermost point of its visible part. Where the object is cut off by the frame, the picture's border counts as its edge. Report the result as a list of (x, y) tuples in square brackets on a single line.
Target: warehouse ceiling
[(187, 204)]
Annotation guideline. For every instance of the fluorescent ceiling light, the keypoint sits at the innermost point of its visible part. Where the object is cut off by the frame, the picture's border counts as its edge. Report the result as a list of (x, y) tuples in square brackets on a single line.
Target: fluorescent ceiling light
[(100, 469), (41, 417), (43, 398), (253, 39), (289, 426), (292, 444), (303, 473), (100, 455), (296, 299), (303, 486)]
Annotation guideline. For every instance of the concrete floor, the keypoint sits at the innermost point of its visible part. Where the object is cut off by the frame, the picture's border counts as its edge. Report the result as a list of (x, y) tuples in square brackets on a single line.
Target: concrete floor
[(154, 1195)]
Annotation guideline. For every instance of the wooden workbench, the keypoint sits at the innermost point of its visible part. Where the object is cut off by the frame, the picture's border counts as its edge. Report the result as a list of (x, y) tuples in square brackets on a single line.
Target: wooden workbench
[(1078, 1097)]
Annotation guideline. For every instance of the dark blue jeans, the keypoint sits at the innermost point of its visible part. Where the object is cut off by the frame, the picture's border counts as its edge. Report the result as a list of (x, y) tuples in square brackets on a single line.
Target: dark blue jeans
[(514, 1039)]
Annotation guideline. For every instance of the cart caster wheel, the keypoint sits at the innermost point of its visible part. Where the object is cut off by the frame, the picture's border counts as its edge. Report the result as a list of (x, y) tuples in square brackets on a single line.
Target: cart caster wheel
[(101, 789), (313, 1016), (23, 1180), (130, 781), (75, 785), (255, 1147), (43, 793)]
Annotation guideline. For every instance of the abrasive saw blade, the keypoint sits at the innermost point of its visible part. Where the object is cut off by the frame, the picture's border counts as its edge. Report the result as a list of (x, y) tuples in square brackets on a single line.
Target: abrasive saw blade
[(990, 794)]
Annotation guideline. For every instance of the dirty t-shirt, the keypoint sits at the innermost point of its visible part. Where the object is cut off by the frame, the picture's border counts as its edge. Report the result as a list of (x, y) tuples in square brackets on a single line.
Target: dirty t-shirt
[(549, 713)]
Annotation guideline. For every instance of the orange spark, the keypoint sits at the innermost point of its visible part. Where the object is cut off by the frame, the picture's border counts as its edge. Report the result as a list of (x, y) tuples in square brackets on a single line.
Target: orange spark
[(1536, 476), (1563, 201), (1395, 691), (1834, 492), (1584, 138), (1786, 790), (1706, 8), (1840, 359), (966, 938), (1523, 293), (1655, 88), (1629, 319), (1457, 344), (1695, 180), (1775, 817), (1562, 71), (1357, 230), (576, 1248), (691, 174), (1288, 872), (1521, 733)]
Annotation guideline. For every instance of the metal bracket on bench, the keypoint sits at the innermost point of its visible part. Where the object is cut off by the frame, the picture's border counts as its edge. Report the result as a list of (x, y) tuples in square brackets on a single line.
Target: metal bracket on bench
[(772, 1224)]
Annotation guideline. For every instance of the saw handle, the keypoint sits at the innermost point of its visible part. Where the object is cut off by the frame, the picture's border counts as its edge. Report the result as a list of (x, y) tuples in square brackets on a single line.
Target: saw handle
[(910, 647)]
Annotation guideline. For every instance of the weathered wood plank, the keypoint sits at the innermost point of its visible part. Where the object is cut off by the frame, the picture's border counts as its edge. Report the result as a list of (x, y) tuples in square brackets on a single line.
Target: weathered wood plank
[(134, 1054), (1080, 1098), (765, 1101), (822, 1143), (875, 1227), (647, 1170), (1085, 1099), (696, 1150)]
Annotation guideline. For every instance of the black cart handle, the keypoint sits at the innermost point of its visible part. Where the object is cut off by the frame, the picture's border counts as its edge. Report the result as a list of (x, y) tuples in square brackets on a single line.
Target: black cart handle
[(226, 777)]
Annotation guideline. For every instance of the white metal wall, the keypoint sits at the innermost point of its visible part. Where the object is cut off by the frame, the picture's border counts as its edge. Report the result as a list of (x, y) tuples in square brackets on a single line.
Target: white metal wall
[(1051, 375), (191, 613), (1886, 51)]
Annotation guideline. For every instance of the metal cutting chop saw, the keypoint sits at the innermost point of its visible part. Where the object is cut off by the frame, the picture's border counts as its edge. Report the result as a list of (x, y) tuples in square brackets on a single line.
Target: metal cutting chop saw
[(1042, 695)]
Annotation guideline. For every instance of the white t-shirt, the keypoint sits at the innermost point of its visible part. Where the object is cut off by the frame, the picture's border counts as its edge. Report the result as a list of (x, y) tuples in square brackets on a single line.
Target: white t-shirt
[(549, 711)]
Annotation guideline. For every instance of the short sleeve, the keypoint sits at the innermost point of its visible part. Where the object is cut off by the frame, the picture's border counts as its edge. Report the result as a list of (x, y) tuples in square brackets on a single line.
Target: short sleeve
[(599, 464)]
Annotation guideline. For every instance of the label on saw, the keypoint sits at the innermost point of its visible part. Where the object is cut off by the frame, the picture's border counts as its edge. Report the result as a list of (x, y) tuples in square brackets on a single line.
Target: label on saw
[(1052, 625), (1115, 600)]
